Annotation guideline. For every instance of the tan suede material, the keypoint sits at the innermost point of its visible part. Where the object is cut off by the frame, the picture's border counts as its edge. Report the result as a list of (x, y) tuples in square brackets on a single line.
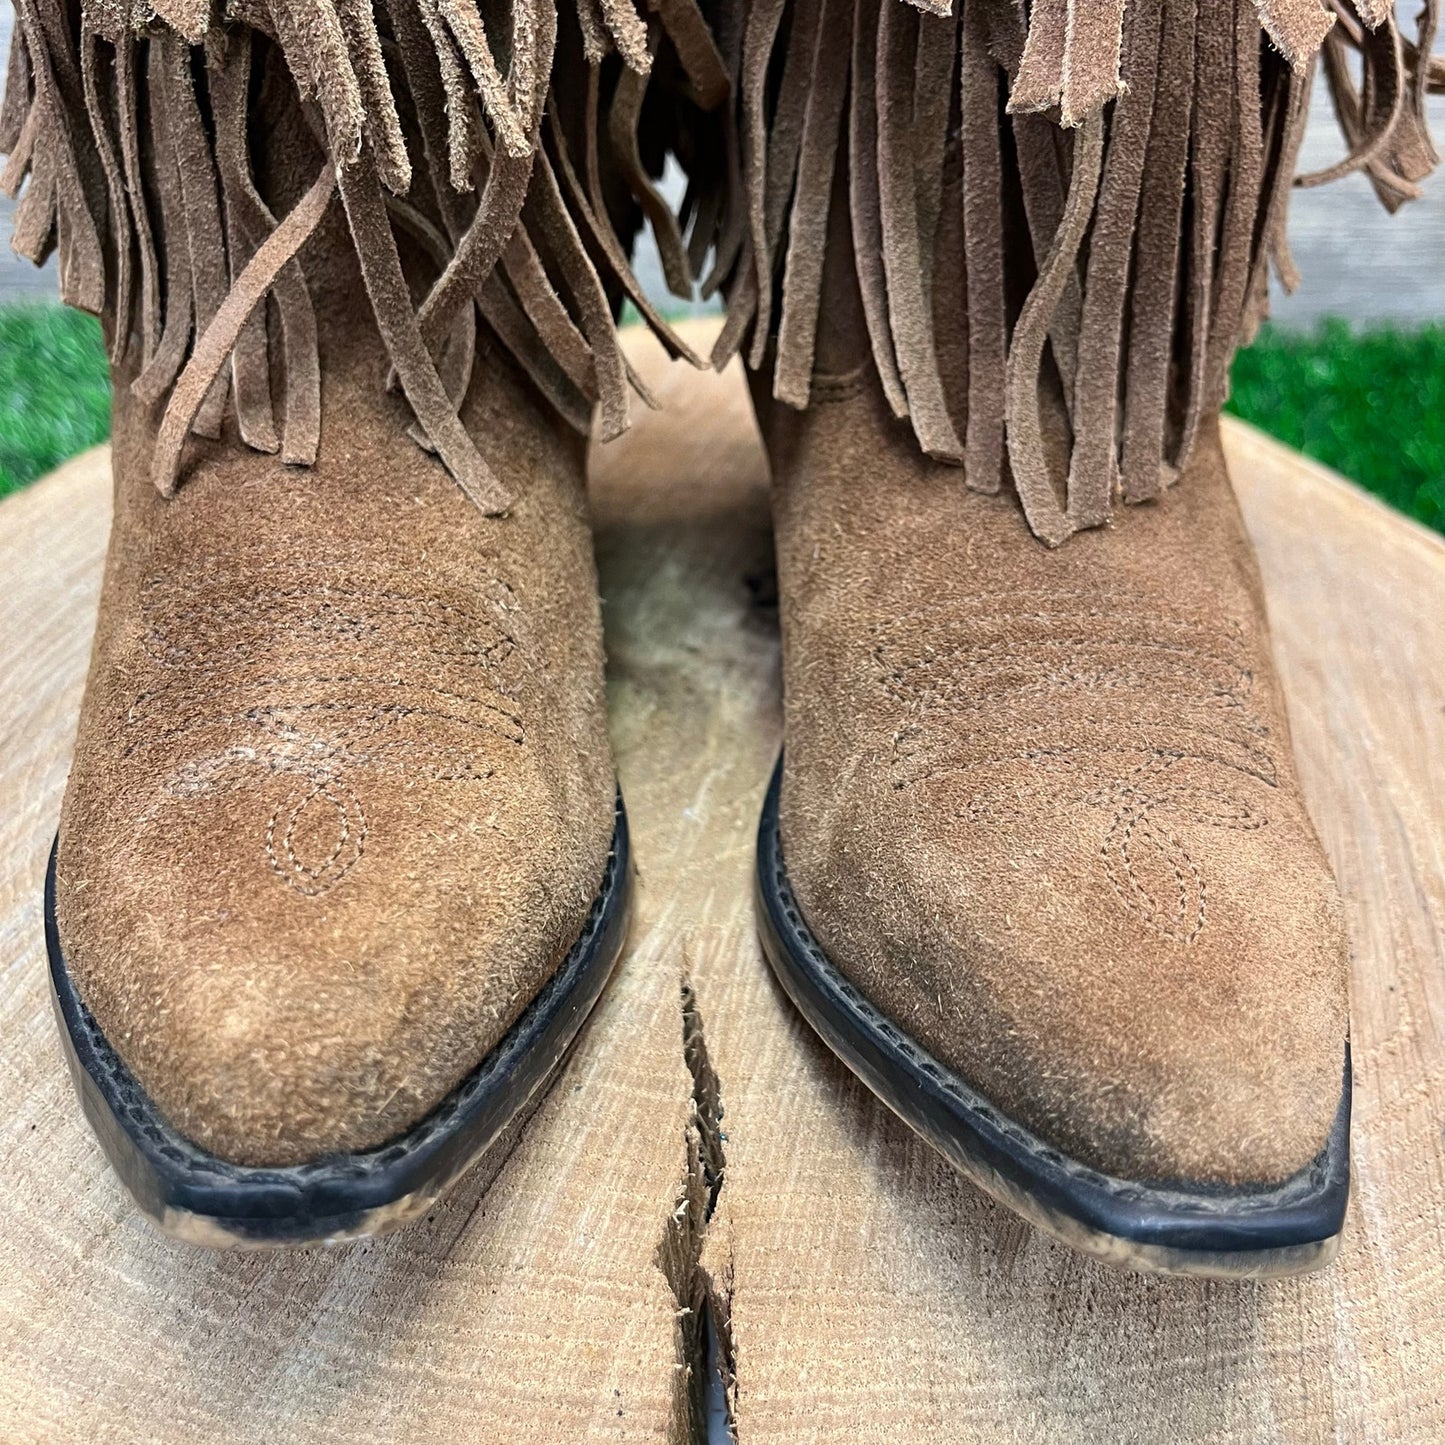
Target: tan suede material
[(342, 792), (1039, 805), (134, 140), (1064, 214)]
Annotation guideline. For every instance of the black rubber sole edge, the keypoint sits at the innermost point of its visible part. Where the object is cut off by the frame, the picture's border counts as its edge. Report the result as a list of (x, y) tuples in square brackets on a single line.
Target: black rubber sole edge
[(197, 1197), (1166, 1228)]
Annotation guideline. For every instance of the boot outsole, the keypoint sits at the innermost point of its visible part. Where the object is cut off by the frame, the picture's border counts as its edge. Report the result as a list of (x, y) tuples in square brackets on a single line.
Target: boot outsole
[(197, 1197), (1172, 1228)]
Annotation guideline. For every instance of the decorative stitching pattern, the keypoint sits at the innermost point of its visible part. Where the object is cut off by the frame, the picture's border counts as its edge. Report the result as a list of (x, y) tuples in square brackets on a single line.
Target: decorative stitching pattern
[(830, 388), (320, 720), (1046, 703), (358, 614), (349, 829), (145, 1124), (272, 717), (1201, 1200)]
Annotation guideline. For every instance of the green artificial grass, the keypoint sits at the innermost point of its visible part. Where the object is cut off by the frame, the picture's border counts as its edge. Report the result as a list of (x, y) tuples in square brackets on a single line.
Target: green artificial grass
[(54, 390), (1370, 403)]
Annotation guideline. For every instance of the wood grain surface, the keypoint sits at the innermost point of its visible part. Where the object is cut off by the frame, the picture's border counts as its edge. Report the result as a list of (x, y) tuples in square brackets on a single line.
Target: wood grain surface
[(864, 1292)]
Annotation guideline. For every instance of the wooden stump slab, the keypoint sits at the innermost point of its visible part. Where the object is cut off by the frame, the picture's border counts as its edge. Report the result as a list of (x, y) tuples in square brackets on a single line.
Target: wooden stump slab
[(863, 1291)]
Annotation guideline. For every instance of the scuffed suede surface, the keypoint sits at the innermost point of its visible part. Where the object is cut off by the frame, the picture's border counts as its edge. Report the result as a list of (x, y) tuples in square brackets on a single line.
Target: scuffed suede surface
[(1039, 805), (342, 791)]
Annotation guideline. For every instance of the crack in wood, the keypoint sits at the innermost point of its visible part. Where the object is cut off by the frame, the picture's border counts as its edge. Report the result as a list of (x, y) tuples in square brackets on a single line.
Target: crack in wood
[(701, 1331)]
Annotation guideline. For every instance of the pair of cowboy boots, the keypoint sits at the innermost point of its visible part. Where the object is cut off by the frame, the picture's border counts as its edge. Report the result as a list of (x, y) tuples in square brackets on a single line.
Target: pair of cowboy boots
[(342, 866)]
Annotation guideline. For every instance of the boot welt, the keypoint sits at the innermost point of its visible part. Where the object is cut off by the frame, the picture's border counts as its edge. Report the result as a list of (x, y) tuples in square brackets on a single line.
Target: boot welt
[(199, 1198), (1176, 1228)]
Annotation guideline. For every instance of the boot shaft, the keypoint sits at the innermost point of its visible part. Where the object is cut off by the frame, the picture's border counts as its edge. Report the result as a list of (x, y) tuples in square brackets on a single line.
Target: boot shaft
[(1061, 222), (216, 192)]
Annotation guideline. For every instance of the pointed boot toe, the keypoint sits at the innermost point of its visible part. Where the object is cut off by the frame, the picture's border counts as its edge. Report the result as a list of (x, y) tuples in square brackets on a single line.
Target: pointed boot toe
[(341, 961), (1177, 1108), (1158, 1009), (341, 868), (291, 1092), (1036, 864)]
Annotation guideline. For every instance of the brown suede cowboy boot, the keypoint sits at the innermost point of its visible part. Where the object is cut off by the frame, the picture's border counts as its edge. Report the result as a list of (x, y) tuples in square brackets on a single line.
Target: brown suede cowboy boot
[(1035, 863), (341, 867)]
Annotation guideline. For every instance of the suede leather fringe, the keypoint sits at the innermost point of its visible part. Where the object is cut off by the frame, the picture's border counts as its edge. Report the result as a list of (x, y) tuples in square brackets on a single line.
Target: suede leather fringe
[(1063, 214), (134, 123)]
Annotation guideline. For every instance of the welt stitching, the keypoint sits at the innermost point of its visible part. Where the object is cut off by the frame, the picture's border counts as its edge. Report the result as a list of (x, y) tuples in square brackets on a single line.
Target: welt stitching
[(803, 940), (172, 1146)]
